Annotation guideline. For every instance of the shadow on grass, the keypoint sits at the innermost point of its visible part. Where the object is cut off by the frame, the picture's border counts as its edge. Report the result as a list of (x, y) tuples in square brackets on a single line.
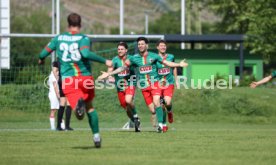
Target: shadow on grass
[(84, 147)]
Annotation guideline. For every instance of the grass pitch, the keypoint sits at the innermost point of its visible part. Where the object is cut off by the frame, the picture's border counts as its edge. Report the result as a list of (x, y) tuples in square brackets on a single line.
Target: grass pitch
[(184, 143)]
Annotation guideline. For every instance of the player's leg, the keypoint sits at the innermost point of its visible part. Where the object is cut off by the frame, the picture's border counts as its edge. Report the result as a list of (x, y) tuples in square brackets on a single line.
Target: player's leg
[(129, 98), (168, 93), (159, 112), (93, 121), (52, 119), (122, 100), (87, 87), (162, 102), (156, 93), (68, 112), (74, 94), (54, 105), (153, 114), (149, 101), (60, 112)]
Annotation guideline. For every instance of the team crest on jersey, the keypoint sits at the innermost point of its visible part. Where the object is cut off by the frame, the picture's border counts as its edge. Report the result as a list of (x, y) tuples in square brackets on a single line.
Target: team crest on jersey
[(164, 71), (145, 69), (123, 73)]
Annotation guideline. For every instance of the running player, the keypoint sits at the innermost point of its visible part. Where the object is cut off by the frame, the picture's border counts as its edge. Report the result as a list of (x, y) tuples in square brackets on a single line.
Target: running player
[(148, 77), (125, 83), (74, 56), (167, 76)]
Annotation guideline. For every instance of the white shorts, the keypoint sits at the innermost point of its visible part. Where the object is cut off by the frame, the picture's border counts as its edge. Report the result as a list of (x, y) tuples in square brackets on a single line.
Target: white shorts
[(54, 102)]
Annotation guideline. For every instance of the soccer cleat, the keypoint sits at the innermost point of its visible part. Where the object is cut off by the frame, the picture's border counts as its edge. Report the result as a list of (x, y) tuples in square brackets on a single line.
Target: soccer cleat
[(97, 142), (59, 129), (80, 109), (165, 128), (69, 129), (137, 124), (170, 116), (159, 129)]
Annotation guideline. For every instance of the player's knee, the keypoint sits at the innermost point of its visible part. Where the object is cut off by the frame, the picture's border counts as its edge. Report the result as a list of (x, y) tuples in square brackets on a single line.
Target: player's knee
[(128, 101), (168, 102)]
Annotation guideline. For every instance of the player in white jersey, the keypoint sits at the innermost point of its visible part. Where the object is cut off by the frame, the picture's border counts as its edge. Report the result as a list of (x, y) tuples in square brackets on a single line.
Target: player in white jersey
[(53, 94)]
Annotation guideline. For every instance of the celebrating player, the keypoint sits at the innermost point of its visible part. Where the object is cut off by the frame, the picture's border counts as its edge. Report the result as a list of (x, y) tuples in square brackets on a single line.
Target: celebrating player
[(148, 77), (73, 53), (167, 76), (125, 83)]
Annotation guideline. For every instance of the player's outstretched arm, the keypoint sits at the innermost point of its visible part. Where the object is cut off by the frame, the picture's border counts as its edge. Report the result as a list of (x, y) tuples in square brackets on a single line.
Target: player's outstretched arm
[(264, 80), (173, 64), (104, 75)]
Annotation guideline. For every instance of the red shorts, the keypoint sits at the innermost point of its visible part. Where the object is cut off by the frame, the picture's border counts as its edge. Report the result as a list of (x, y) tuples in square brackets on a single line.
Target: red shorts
[(151, 91), (167, 91), (78, 87), (122, 95)]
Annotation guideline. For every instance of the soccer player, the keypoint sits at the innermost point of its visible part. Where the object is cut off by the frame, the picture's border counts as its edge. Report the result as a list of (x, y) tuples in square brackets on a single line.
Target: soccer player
[(167, 76), (53, 94), (148, 76), (62, 103), (125, 83), (264, 80), (74, 56)]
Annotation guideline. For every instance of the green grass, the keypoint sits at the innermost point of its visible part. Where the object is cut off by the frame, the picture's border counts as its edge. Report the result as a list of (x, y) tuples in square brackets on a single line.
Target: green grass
[(189, 143), (211, 127)]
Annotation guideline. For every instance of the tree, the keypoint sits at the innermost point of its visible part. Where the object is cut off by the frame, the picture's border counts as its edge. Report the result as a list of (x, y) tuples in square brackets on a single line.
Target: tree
[(255, 18)]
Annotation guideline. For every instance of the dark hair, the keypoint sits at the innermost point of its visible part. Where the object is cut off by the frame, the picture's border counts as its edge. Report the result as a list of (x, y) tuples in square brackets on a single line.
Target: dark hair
[(142, 39), (74, 19), (122, 44), (55, 64), (161, 41)]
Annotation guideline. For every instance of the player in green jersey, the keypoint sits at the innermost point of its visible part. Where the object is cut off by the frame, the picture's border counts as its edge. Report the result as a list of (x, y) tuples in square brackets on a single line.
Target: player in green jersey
[(264, 80), (125, 85), (148, 79), (74, 56), (168, 77)]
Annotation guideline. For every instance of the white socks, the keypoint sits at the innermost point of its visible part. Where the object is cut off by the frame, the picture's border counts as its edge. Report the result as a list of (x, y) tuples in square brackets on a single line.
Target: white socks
[(62, 125), (52, 123)]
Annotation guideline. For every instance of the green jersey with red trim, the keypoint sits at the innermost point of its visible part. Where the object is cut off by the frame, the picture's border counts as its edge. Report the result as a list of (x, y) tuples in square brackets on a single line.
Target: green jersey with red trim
[(146, 68), (166, 73), (123, 79), (70, 49)]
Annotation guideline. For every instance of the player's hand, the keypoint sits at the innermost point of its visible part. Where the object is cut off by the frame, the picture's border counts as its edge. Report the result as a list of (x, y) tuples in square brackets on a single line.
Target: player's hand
[(253, 85), (40, 62), (104, 75), (108, 63), (183, 63), (111, 79)]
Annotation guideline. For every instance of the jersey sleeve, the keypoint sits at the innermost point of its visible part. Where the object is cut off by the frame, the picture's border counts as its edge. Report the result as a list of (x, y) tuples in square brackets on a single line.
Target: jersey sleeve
[(273, 74), (114, 63), (48, 49), (85, 46), (86, 53), (158, 58)]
